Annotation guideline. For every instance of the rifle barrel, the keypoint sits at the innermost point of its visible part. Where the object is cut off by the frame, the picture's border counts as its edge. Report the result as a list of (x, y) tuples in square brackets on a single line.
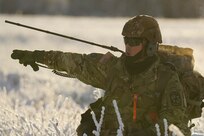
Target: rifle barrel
[(112, 48)]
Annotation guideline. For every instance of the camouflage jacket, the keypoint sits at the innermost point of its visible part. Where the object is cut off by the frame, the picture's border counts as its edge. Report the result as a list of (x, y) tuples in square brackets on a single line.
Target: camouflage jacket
[(108, 73)]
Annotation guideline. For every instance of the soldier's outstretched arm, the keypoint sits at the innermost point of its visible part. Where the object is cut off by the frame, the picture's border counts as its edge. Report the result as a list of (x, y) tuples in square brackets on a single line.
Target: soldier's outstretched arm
[(90, 69)]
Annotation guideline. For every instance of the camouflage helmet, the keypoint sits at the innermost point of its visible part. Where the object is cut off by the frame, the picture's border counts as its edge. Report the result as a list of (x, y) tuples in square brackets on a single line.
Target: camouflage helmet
[(143, 26)]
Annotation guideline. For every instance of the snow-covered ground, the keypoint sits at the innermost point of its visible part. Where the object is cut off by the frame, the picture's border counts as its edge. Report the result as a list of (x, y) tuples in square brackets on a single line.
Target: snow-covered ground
[(43, 103)]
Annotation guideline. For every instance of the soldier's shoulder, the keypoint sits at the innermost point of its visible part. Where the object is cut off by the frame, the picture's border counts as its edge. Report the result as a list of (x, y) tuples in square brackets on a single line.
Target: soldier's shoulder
[(102, 58), (167, 68), (95, 56), (108, 57)]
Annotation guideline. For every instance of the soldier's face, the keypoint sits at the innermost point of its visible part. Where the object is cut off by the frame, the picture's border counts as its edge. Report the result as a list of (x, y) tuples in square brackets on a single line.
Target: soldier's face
[(133, 50)]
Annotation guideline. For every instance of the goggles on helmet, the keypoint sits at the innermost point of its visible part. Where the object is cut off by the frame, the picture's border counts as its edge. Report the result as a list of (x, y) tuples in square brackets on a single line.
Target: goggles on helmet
[(132, 41)]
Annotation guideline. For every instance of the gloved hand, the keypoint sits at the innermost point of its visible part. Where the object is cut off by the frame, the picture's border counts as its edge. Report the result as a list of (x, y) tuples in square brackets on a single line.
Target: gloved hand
[(25, 58)]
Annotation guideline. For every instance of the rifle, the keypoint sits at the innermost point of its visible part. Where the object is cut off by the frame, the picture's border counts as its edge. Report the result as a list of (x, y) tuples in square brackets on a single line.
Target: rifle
[(112, 48)]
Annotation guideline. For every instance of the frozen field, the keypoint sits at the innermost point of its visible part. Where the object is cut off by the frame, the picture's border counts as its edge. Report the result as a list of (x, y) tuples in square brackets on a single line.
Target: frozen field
[(42, 103)]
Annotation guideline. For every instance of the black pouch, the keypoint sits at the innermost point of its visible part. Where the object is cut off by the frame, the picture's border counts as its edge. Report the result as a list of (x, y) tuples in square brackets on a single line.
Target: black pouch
[(87, 125)]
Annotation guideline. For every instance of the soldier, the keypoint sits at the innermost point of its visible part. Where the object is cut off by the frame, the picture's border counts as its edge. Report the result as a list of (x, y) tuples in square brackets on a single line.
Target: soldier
[(133, 80)]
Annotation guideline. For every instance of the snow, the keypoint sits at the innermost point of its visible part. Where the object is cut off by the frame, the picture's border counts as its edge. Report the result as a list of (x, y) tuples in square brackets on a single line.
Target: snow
[(44, 103), (98, 124), (120, 122)]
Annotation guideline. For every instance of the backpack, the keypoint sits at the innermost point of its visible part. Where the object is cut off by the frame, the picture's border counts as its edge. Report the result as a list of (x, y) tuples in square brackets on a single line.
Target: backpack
[(182, 61)]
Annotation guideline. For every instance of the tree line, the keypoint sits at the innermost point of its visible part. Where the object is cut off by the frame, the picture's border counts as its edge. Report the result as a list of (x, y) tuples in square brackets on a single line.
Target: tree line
[(158, 8)]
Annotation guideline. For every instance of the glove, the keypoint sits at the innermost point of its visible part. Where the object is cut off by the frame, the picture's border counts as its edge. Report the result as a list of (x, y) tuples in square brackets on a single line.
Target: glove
[(25, 58)]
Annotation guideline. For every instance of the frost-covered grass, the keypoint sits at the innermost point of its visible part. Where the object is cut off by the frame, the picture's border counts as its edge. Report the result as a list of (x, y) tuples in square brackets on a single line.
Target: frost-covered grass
[(42, 103), (20, 117)]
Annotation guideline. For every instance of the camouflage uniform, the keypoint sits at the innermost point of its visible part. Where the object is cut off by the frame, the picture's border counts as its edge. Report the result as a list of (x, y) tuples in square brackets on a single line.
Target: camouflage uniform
[(108, 73), (143, 98)]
